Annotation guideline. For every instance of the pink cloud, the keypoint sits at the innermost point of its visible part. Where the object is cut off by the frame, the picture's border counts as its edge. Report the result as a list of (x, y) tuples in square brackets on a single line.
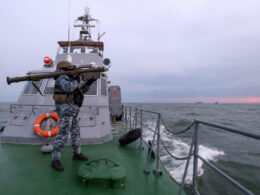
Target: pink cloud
[(217, 99)]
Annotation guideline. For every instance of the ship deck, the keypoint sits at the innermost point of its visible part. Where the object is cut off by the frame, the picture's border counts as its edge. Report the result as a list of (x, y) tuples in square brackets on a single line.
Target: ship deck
[(25, 170)]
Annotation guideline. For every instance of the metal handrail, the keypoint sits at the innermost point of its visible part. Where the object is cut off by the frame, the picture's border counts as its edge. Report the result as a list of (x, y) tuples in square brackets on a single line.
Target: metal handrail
[(235, 183), (128, 122), (245, 133), (196, 157), (193, 151)]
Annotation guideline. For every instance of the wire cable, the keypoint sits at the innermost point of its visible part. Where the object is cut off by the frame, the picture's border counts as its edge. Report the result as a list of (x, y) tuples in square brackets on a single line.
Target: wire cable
[(177, 132), (177, 158)]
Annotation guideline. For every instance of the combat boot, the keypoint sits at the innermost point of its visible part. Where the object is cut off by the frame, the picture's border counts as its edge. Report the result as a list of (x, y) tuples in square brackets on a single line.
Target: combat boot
[(79, 156), (56, 164)]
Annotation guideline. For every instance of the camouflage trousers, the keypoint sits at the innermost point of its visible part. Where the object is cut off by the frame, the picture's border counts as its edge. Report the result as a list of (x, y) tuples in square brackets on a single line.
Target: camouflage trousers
[(68, 124)]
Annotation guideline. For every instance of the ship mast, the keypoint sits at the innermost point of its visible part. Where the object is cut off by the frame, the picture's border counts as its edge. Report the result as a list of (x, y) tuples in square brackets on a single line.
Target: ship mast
[(83, 22)]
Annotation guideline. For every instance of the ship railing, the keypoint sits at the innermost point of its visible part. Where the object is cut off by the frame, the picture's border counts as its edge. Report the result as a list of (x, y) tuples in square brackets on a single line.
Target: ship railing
[(134, 116), (35, 106)]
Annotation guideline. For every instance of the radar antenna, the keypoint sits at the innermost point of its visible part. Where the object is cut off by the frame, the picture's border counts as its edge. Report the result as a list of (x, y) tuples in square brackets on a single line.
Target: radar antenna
[(84, 23)]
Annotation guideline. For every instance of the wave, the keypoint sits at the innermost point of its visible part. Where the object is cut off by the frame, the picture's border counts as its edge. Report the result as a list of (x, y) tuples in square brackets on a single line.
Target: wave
[(182, 122), (180, 148), (192, 114)]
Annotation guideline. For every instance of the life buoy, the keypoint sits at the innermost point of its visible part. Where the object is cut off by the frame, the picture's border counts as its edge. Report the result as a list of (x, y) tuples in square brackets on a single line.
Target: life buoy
[(38, 121)]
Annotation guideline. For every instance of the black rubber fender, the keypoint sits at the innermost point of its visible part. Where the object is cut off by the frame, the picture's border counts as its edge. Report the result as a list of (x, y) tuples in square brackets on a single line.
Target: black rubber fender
[(119, 118), (130, 137)]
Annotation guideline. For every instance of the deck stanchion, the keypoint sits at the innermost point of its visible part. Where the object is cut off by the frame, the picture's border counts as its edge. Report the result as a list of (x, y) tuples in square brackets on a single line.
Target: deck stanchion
[(195, 161), (157, 171), (130, 118), (126, 115), (147, 168), (141, 127), (187, 165), (114, 119), (135, 117)]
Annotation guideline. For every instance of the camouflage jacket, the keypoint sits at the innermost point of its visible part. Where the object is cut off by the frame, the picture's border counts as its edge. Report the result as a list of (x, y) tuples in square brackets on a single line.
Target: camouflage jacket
[(68, 85)]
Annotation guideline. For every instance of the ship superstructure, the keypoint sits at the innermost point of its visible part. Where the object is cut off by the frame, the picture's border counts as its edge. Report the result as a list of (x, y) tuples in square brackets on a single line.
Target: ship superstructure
[(94, 119)]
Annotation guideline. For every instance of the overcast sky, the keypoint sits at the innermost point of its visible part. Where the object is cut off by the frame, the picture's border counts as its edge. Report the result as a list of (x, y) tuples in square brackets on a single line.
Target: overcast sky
[(161, 50)]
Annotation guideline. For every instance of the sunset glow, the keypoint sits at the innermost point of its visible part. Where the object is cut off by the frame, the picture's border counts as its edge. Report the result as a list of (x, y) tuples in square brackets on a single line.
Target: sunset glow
[(217, 99)]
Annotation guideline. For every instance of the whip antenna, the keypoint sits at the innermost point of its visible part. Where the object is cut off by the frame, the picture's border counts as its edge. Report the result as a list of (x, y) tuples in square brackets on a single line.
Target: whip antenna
[(69, 58)]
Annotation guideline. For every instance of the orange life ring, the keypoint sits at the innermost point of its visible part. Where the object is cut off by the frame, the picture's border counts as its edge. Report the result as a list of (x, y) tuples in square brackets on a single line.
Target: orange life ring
[(38, 121)]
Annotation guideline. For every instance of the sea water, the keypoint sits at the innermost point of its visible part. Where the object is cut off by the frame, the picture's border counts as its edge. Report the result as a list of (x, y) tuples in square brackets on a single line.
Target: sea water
[(236, 155)]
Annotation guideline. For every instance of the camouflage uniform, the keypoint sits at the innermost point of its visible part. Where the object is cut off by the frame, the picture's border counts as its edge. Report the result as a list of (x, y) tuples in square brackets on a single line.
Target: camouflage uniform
[(68, 114)]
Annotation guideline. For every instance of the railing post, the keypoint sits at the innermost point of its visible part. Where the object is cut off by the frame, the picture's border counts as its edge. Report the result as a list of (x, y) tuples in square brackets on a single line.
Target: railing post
[(187, 165), (195, 159), (130, 118), (157, 171), (147, 168), (135, 117), (141, 127), (126, 121)]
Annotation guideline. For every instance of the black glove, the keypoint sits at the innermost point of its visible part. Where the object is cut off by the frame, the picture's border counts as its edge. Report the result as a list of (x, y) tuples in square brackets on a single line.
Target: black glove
[(78, 97), (90, 81)]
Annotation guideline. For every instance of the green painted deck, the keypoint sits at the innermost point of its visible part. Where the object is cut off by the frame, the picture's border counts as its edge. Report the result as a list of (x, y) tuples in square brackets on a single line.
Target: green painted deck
[(25, 170)]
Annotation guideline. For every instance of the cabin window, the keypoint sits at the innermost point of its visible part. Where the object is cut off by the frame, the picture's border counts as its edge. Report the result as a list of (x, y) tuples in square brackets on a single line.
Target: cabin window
[(30, 89), (75, 50), (82, 50), (49, 87), (92, 89), (65, 49), (103, 86)]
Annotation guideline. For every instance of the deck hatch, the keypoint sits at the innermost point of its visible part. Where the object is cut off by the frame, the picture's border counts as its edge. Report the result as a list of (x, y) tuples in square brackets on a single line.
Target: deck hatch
[(103, 172)]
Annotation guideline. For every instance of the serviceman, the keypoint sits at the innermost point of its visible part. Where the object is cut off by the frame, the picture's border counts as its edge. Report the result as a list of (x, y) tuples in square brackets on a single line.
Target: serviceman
[(68, 96)]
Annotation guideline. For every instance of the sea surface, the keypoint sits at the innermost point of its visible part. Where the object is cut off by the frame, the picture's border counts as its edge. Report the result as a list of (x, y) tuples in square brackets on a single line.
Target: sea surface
[(236, 155)]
